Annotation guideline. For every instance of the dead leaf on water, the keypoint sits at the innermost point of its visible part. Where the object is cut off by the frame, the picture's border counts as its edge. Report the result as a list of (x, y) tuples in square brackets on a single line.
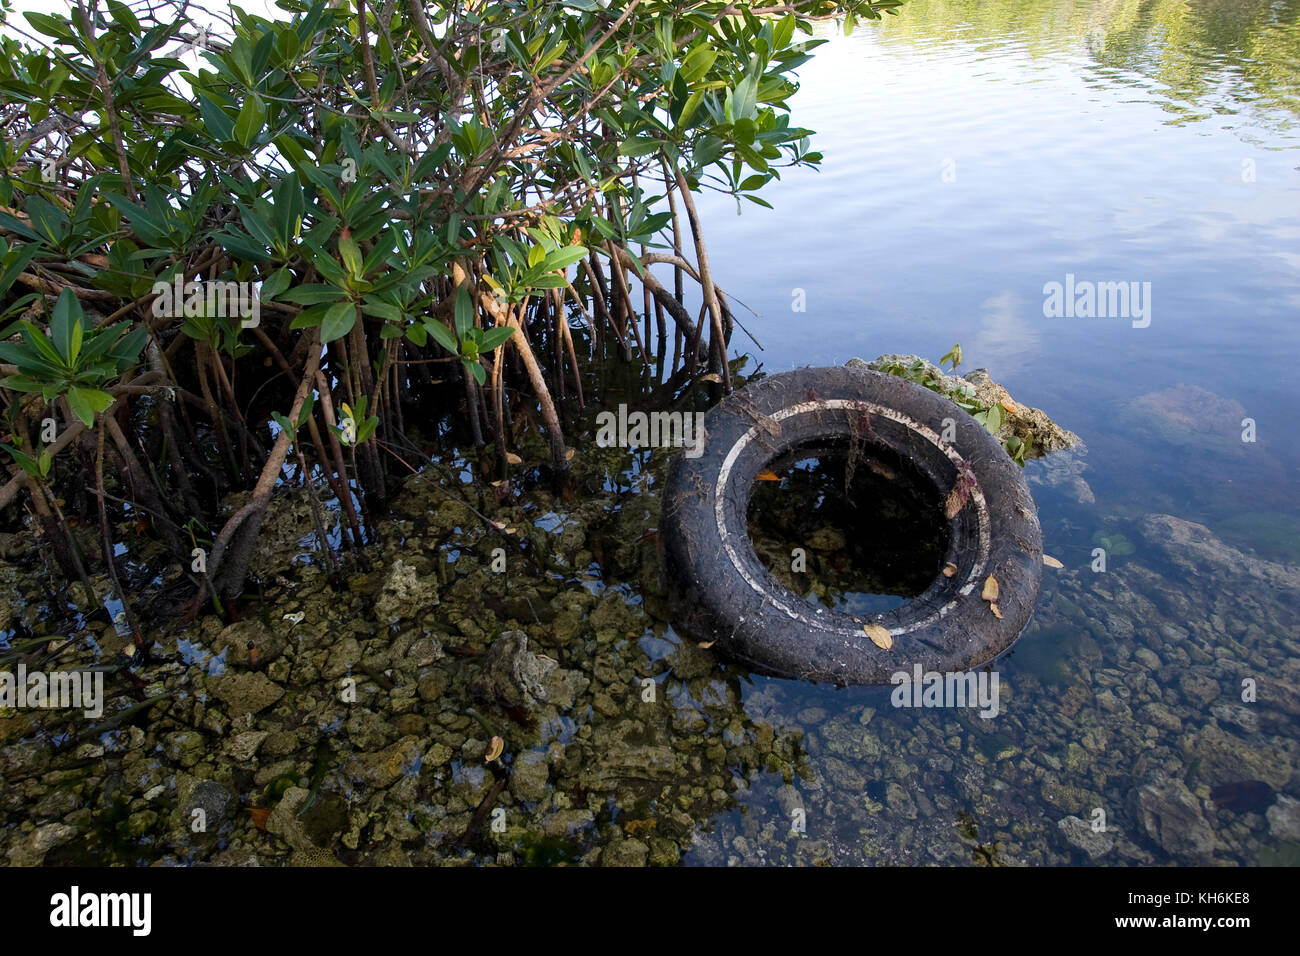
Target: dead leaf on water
[(880, 636), (706, 644), (1051, 562), (495, 749), (990, 592), (513, 459), (996, 612), (949, 569), (767, 475)]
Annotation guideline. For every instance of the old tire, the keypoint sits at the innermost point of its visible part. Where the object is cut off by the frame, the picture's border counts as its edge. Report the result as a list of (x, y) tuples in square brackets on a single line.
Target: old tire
[(720, 591)]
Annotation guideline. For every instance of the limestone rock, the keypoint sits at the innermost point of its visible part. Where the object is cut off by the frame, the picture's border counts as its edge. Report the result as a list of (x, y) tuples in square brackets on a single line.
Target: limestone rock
[(1172, 817), (247, 693)]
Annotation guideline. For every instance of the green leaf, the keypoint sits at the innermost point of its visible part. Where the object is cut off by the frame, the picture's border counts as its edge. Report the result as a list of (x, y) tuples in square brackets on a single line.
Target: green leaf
[(311, 294), (86, 402), (464, 315), (217, 120), (338, 321), (495, 337), (639, 146), (443, 335), (249, 122), (304, 413), (286, 426), (67, 313), (563, 258), (274, 284), (476, 369), (25, 461), (351, 254), (383, 310)]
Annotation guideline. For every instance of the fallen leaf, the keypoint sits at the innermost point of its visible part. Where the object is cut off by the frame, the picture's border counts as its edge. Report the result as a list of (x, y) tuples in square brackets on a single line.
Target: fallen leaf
[(1051, 562), (259, 815), (949, 569), (568, 455), (767, 475), (1009, 405), (706, 644), (495, 749), (510, 530), (996, 613), (990, 592), (513, 459), (880, 636), (710, 377)]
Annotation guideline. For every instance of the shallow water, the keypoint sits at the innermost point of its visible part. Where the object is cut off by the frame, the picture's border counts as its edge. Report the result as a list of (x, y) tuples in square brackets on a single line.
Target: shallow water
[(974, 152)]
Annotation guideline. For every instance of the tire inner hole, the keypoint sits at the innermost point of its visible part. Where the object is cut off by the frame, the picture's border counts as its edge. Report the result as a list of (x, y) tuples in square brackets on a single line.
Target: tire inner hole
[(860, 540)]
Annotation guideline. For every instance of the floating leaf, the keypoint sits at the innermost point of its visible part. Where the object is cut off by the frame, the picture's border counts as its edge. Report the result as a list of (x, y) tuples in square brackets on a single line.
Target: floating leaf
[(996, 612), (1051, 562), (513, 459), (949, 569), (990, 592), (767, 475), (495, 749), (880, 636), (706, 644)]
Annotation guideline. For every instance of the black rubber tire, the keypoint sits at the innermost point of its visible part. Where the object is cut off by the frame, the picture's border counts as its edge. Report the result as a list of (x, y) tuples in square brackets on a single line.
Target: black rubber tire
[(720, 591)]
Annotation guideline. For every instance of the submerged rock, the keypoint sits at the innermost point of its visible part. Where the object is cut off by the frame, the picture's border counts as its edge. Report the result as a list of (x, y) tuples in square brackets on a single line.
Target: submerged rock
[(1194, 547), (30, 850), (1080, 834), (247, 693), (1172, 817), (406, 593), (511, 674), (1188, 414), (1284, 818)]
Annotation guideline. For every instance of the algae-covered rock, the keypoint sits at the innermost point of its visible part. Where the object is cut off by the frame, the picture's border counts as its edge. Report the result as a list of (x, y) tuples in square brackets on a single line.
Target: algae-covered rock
[(247, 693), (1172, 817), (381, 769), (511, 674), (406, 593), (1020, 421), (30, 849), (1188, 415), (1080, 834)]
